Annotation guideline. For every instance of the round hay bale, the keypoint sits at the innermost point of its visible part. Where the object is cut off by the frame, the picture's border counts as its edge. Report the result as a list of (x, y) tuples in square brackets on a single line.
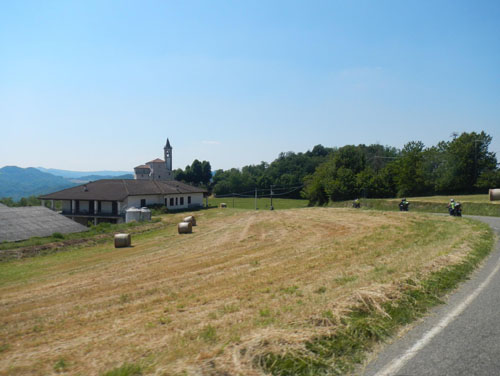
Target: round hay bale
[(495, 194), (185, 228), (223, 205), (122, 240), (191, 219)]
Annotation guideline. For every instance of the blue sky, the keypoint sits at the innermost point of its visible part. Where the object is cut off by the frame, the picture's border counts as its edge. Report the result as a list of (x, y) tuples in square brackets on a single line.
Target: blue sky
[(96, 85)]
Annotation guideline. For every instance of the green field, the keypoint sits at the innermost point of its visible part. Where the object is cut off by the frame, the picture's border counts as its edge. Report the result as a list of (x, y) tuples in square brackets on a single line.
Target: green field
[(262, 203)]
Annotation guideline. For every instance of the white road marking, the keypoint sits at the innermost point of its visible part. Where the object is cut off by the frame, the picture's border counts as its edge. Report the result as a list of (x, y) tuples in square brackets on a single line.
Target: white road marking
[(398, 363)]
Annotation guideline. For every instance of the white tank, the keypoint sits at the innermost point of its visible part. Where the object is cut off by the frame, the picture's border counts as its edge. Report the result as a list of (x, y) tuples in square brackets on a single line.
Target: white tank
[(145, 214), (132, 214)]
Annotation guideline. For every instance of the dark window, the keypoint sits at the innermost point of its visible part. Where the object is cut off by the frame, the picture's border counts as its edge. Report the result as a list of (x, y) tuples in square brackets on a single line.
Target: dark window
[(143, 203), (182, 200), (177, 201), (114, 207), (99, 206), (171, 201), (77, 206), (189, 200), (166, 202)]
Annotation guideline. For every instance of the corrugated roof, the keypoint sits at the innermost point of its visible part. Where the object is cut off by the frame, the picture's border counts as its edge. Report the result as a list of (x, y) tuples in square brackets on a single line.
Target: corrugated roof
[(27, 222), (120, 189)]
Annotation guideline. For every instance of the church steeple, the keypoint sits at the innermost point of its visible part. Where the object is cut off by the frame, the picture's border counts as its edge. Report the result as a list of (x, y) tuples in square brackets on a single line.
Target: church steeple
[(168, 159)]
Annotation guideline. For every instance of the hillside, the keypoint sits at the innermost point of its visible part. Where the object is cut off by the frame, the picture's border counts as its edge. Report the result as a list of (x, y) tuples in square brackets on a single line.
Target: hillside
[(19, 182), (244, 284)]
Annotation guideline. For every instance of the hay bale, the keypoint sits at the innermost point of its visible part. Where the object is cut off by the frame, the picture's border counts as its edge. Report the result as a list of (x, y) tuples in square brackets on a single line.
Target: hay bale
[(191, 219), (185, 228), (122, 240), (223, 205), (495, 194)]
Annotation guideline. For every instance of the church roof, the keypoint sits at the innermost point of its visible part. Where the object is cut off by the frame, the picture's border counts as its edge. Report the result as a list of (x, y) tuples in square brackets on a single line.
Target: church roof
[(157, 160), (120, 189), (143, 166), (167, 146)]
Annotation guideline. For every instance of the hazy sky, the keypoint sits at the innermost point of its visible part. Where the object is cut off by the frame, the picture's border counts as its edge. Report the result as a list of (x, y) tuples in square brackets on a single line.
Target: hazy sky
[(96, 85)]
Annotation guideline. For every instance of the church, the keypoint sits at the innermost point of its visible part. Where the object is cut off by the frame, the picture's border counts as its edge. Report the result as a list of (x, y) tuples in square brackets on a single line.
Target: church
[(157, 169)]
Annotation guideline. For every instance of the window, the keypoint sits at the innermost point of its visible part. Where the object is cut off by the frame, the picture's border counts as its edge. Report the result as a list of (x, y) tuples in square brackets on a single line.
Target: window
[(143, 203), (189, 200), (177, 201), (171, 201), (182, 200)]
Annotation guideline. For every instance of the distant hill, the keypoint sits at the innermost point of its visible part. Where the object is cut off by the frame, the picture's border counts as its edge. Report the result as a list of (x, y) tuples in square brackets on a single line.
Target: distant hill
[(85, 179), (82, 175), (19, 182)]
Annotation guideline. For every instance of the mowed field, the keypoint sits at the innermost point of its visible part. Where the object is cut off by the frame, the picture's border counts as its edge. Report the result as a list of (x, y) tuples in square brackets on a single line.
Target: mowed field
[(245, 283)]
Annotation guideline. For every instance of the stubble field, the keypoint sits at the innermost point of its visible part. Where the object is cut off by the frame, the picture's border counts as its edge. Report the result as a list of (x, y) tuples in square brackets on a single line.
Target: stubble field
[(245, 283)]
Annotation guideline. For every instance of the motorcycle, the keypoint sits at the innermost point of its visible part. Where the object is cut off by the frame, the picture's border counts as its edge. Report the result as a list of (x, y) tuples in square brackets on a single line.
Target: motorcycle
[(404, 205), (456, 211), (356, 205)]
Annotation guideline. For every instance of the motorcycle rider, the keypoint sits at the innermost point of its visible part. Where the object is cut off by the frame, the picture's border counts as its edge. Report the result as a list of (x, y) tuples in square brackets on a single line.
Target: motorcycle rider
[(403, 205), (451, 207), (356, 203)]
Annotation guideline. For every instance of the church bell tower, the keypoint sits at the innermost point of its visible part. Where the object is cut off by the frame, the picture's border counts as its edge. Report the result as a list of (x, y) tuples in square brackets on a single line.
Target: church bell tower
[(168, 160)]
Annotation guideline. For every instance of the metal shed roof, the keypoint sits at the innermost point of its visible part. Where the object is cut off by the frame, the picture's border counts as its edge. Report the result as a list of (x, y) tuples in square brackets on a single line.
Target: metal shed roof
[(27, 222)]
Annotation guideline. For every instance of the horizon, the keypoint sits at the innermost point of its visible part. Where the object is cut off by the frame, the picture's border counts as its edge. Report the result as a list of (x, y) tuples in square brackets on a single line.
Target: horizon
[(92, 86)]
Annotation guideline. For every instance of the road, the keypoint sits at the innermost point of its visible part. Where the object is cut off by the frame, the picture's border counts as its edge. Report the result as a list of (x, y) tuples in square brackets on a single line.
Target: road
[(461, 337)]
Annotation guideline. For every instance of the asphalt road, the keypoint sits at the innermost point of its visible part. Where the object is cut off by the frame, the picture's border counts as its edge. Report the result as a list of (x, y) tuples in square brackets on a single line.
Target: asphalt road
[(461, 337)]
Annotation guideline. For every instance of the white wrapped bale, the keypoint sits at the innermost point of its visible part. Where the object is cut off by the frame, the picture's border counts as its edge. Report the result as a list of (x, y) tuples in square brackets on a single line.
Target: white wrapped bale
[(191, 219), (122, 240), (185, 228), (495, 194)]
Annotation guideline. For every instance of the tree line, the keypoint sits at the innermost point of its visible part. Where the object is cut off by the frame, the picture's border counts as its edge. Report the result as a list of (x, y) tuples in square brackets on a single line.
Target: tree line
[(462, 165)]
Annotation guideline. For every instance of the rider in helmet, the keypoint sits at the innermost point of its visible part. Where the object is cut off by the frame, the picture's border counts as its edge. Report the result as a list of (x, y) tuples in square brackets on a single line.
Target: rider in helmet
[(451, 206)]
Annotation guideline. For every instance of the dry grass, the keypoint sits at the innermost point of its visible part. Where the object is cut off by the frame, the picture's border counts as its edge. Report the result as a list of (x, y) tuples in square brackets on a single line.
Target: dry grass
[(244, 282)]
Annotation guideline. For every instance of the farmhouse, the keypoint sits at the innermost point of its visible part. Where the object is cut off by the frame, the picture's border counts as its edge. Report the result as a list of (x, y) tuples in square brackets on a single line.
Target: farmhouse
[(107, 200)]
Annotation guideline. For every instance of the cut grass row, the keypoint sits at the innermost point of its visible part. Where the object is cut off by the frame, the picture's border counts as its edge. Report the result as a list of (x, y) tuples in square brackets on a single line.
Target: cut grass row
[(262, 203), (363, 328)]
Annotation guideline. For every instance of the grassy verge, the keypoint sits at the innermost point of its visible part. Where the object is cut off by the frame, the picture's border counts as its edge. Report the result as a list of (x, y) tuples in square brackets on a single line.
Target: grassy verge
[(426, 205), (364, 327)]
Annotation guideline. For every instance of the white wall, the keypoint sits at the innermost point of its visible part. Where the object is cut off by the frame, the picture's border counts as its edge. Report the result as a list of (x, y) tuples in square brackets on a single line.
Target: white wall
[(196, 199), (135, 201)]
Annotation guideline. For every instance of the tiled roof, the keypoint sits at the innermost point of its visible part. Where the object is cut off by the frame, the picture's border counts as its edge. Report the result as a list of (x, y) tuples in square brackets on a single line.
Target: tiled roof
[(119, 189), (142, 166), (157, 160)]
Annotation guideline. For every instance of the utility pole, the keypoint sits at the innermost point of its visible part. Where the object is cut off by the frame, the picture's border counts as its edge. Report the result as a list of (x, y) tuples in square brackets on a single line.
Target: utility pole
[(255, 198), (272, 208)]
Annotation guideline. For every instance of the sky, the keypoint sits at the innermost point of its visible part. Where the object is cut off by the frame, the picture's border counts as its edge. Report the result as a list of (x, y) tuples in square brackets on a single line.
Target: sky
[(100, 85)]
